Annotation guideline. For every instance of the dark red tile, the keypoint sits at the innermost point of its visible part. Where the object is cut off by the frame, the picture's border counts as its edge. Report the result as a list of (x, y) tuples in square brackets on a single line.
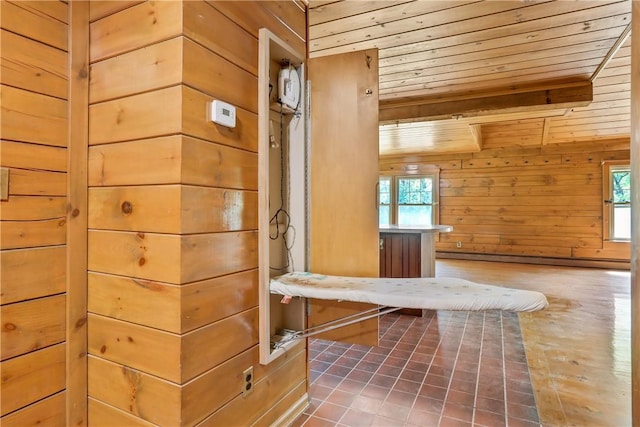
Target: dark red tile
[(382, 381), (490, 405), (387, 422), (374, 357), (339, 371), (329, 380), (318, 422), (340, 397), (423, 418), (395, 362), (401, 398), (318, 391), (460, 397), (465, 386), (319, 366), (330, 411), (410, 375), (465, 376), (527, 413), (526, 399), (348, 362), (367, 366), (452, 422), (407, 386), (394, 411), (459, 412), (351, 386), (433, 392), (437, 380), (313, 405), (354, 417), (429, 404), (358, 375), (374, 391), (391, 371), (299, 421), (515, 422), (366, 404), (488, 419), (417, 366)]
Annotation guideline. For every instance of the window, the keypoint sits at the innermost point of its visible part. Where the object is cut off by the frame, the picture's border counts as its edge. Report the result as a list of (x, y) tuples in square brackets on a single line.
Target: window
[(408, 200), (617, 203)]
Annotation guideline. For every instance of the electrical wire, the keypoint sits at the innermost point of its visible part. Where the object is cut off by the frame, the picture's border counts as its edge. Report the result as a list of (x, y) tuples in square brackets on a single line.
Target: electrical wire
[(281, 216)]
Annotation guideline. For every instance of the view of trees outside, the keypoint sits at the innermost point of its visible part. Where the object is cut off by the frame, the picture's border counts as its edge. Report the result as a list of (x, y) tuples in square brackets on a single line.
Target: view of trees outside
[(415, 201), (621, 182)]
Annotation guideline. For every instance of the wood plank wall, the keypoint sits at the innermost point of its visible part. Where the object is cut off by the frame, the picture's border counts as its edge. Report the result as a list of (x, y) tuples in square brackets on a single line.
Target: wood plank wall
[(543, 201), (33, 131), (173, 297)]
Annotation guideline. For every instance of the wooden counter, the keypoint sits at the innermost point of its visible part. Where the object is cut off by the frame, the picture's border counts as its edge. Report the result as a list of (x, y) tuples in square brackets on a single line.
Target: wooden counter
[(409, 251)]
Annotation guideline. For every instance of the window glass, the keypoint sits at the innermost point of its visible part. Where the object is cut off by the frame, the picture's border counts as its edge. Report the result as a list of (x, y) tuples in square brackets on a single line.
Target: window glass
[(407, 200), (384, 210), (621, 203)]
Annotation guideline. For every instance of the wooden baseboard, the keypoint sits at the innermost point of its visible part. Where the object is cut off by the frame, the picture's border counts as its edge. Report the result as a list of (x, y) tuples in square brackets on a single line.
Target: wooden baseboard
[(565, 262), (293, 412)]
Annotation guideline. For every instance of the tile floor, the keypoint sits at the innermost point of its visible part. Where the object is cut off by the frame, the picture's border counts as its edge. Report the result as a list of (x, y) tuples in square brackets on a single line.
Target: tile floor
[(446, 369)]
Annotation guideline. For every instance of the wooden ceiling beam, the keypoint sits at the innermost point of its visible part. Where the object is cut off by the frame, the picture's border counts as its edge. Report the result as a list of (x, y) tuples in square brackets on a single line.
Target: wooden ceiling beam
[(576, 94)]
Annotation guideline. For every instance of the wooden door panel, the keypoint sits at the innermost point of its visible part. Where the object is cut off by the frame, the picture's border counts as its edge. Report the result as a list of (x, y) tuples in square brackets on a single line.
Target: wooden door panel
[(344, 173)]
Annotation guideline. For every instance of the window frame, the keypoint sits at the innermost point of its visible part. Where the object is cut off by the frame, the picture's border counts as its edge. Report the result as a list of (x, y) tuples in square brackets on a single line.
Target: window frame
[(394, 206), (608, 167)]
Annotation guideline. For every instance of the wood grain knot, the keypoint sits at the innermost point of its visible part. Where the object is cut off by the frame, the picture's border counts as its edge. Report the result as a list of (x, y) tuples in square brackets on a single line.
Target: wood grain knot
[(142, 261), (75, 212), (9, 327), (127, 207), (103, 349)]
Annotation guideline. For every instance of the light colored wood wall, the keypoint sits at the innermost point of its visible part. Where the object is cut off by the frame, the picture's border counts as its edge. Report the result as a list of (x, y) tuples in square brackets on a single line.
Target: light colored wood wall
[(538, 201), (173, 284), (33, 225)]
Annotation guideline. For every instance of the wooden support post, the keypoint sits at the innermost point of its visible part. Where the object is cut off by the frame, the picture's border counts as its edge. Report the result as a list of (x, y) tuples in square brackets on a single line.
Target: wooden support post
[(635, 215), (78, 145), (476, 133)]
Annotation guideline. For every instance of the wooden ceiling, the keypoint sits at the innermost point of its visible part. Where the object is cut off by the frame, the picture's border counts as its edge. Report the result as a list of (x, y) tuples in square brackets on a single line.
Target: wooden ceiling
[(459, 76)]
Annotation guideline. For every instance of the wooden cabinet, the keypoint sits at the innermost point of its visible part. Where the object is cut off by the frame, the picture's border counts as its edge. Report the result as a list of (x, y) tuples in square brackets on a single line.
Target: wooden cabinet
[(343, 157), (400, 255)]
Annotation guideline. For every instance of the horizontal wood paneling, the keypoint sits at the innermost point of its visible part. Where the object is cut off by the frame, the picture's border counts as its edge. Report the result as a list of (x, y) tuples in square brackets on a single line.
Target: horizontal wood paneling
[(24, 182), (29, 234), (32, 377), (29, 19), (103, 415), (172, 209), (24, 208), (31, 325), (31, 117), (49, 412), (158, 65), (31, 273), (210, 28), (102, 8), (173, 160), (132, 117), (188, 246), (138, 26), (170, 356), (184, 308), (134, 392), (265, 395), (256, 17), (184, 109), (211, 345), (171, 258), (511, 202), (33, 66), (33, 156), (150, 350)]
